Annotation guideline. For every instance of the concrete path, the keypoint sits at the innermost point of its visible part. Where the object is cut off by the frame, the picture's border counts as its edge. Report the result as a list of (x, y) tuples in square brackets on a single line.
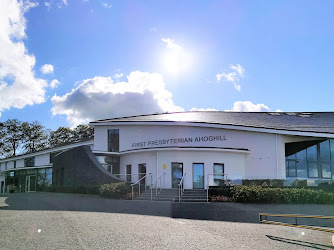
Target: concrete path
[(69, 221)]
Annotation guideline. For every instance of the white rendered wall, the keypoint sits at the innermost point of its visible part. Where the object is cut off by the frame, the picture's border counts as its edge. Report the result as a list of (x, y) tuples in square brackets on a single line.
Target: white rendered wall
[(261, 162), (42, 160)]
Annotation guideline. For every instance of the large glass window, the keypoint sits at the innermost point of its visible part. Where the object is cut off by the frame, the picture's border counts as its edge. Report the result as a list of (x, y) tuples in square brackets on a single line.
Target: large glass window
[(29, 162), (110, 162), (301, 164), (113, 140), (316, 161)]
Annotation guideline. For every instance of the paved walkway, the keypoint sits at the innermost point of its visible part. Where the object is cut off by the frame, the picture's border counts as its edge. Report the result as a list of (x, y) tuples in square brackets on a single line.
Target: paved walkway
[(68, 221)]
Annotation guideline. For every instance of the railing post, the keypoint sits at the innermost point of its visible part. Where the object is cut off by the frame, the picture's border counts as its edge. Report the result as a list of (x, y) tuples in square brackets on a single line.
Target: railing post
[(139, 188), (132, 191), (151, 191)]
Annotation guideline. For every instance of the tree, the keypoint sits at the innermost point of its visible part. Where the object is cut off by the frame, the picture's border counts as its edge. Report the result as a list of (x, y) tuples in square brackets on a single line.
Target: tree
[(82, 132), (60, 136), (12, 136), (34, 136)]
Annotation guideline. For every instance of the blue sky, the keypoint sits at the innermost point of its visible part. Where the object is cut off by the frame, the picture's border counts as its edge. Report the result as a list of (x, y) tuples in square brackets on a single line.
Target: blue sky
[(105, 59)]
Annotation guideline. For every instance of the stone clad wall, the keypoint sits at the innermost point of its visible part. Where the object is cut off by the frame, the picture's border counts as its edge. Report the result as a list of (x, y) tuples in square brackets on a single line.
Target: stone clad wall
[(79, 167)]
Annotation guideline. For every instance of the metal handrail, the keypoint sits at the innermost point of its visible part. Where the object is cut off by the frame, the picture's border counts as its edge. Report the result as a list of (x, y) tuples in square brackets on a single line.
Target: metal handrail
[(127, 175), (208, 183), (156, 187), (181, 186), (138, 182)]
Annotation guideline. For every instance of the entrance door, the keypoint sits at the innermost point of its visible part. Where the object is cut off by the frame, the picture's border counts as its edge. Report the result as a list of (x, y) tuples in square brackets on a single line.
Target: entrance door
[(198, 175), (31, 183), (2, 187), (177, 173), (142, 173)]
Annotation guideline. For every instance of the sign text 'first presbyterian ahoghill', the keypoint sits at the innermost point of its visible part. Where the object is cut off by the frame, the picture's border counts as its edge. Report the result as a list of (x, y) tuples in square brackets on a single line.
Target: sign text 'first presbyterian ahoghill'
[(178, 141)]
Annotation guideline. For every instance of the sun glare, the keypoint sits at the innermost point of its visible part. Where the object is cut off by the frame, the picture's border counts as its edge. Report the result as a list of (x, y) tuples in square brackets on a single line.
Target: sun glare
[(176, 60)]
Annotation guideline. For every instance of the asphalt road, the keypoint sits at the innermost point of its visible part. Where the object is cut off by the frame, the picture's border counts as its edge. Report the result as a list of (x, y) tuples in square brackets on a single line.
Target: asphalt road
[(68, 221)]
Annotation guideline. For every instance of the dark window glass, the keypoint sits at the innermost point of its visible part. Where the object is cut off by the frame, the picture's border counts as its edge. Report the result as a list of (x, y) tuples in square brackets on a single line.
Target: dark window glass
[(312, 162), (292, 169), (326, 170), (324, 151), (312, 153), (113, 140), (14, 164), (313, 169), (301, 164), (29, 162), (128, 173)]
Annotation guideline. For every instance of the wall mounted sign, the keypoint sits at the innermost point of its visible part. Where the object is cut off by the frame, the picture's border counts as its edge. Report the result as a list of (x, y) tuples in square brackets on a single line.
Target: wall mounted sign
[(164, 166), (184, 140)]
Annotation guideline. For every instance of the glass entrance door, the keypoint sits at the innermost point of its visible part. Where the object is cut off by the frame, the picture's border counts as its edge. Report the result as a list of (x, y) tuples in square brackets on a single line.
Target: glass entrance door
[(31, 183), (177, 172), (198, 175)]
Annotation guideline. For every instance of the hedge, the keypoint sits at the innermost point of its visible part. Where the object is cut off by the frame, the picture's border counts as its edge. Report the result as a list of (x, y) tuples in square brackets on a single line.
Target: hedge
[(258, 194), (119, 190)]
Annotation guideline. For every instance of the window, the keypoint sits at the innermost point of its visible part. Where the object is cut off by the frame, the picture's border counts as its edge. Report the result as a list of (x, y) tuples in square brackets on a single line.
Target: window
[(316, 161), (218, 174), (312, 161), (29, 162), (325, 160), (110, 163), (113, 140), (128, 173)]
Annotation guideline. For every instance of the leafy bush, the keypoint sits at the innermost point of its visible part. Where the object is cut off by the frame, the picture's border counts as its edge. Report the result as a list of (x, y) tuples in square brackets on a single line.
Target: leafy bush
[(264, 182), (119, 190), (258, 194)]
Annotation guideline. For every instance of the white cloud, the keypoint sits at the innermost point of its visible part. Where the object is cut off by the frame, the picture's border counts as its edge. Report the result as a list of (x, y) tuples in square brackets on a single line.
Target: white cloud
[(171, 44), (65, 2), (153, 29), (248, 106), (54, 83), (117, 76), (18, 85), (107, 5), (203, 109), (46, 69), (101, 97), (233, 76)]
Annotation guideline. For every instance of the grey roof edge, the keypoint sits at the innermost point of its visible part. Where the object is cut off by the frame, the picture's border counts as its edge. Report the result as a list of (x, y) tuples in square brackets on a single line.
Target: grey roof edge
[(49, 148)]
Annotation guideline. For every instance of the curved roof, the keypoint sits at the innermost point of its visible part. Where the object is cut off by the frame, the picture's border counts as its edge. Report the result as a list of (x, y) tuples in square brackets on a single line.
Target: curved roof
[(318, 122)]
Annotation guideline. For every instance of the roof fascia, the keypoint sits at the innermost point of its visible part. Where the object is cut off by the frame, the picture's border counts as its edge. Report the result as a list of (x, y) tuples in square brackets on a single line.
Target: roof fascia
[(210, 125), (46, 151)]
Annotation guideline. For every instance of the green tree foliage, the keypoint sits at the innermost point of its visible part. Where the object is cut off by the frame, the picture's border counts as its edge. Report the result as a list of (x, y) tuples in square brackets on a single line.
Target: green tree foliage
[(66, 135), (12, 136), (82, 132), (18, 137), (34, 136), (60, 136)]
